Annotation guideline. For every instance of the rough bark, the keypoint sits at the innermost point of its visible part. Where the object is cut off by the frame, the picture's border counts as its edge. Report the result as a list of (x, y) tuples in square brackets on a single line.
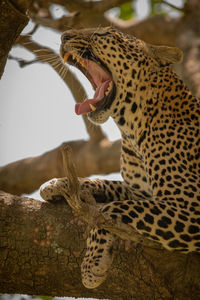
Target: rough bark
[(186, 29), (42, 246)]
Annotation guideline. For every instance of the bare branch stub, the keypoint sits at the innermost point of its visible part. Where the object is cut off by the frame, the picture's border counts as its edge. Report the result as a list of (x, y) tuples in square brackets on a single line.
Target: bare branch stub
[(73, 182), (81, 201), (22, 63), (70, 170), (74, 195)]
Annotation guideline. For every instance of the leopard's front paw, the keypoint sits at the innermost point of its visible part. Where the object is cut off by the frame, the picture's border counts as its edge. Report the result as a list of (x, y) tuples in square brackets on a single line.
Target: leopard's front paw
[(51, 190)]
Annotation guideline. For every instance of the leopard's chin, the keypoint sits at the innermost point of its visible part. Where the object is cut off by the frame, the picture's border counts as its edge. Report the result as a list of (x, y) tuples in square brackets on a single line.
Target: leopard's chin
[(99, 117), (97, 108)]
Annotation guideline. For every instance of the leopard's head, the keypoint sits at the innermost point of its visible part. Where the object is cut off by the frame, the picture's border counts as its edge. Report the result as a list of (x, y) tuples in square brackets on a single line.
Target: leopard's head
[(111, 61)]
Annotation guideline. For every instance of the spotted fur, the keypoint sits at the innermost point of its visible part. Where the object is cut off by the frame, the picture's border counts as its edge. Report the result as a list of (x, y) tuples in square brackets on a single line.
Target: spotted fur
[(159, 120)]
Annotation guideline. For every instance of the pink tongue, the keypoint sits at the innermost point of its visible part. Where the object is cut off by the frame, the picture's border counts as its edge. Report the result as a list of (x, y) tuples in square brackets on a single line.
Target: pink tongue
[(84, 107)]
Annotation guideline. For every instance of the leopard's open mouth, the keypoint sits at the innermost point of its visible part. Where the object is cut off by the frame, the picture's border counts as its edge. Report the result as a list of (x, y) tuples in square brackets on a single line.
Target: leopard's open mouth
[(100, 78)]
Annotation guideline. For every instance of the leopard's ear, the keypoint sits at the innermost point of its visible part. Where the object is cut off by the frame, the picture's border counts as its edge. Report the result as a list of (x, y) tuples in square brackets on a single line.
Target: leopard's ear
[(164, 55)]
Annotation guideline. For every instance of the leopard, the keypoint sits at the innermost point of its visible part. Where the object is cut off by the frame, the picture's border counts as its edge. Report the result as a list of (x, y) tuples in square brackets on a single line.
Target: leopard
[(159, 121)]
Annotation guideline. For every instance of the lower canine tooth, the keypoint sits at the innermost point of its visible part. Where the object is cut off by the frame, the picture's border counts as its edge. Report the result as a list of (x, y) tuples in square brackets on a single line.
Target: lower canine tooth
[(93, 108), (109, 88)]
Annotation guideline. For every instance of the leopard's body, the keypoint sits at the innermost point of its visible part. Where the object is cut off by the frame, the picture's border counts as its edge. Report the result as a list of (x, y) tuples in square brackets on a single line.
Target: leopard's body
[(160, 156)]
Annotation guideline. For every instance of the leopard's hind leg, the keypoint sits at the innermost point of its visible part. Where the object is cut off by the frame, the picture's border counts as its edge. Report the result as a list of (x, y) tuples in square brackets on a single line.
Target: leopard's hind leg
[(98, 257)]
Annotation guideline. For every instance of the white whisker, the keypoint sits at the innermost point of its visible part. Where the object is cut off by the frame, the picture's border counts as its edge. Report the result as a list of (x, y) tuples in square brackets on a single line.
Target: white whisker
[(26, 43), (48, 59), (48, 55), (56, 63), (63, 72), (42, 49)]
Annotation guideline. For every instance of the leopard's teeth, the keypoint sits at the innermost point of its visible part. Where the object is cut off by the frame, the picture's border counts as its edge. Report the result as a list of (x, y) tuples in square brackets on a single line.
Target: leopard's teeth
[(82, 62), (66, 56), (75, 57), (109, 88), (110, 85), (93, 108)]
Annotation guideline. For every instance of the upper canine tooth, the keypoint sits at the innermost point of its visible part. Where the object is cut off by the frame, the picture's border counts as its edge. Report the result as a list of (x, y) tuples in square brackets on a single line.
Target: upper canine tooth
[(110, 85), (66, 56), (93, 108)]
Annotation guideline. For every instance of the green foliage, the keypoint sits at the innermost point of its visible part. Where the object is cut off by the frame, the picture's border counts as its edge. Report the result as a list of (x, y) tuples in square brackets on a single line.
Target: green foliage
[(127, 11)]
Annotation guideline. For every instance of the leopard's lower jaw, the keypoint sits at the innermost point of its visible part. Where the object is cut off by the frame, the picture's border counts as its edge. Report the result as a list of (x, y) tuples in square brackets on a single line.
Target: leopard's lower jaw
[(98, 117)]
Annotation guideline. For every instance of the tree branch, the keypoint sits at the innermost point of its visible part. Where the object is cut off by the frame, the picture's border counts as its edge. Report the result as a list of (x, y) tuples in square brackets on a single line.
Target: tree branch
[(172, 6), (26, 176), (82, 14), (59, 24), (12, 22), (42, 246), (89, 6), (147, 29)]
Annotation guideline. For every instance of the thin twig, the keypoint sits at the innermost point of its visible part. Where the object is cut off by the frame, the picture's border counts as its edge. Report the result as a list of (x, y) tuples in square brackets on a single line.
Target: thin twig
[(173, 6), (59, 24), (33, 30), (73, 195), (22, 63)]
